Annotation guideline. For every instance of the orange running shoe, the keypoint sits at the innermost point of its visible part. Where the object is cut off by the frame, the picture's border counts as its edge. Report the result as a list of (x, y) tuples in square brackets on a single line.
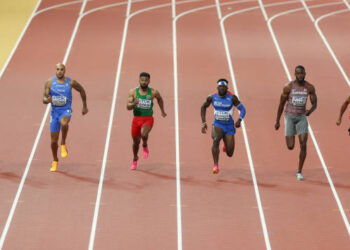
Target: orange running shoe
[(54, 166), (64, 152)]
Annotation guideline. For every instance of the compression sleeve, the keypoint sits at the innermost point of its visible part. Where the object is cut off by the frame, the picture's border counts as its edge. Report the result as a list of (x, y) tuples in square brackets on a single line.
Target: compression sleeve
[(242, 111)]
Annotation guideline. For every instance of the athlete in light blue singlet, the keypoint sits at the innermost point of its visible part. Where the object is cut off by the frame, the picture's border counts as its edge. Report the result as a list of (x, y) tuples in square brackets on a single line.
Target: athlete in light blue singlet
[(223, 125), (58, 92)]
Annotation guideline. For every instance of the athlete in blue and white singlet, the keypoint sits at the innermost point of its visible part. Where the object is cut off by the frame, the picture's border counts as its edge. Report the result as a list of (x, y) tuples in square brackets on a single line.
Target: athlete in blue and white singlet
[(58, 92), (223, 126)]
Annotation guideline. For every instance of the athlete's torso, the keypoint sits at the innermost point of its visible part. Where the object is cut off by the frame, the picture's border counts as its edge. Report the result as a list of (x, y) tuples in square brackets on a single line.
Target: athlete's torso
[(61, 94), (145, 104), (223, 108), (296, 103)]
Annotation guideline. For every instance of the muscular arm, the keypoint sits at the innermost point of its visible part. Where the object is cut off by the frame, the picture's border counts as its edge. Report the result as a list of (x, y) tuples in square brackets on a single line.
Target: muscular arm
[(204, 107), (132, 101), (313, 99), (46, 97), (342, 110), (77, 86), (160, 102), (283, 99)]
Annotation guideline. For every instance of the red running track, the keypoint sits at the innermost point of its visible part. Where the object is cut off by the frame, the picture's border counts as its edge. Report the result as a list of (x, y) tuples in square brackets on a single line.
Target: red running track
[(138, 208)]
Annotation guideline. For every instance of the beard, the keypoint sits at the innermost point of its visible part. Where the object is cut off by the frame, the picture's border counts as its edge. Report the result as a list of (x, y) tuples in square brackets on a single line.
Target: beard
[(301, 80), (144, 87)]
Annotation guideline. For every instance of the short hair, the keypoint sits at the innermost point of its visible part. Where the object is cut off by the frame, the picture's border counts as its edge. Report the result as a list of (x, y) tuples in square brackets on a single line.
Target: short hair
[(145, 74), (222, 80), (299, 67)]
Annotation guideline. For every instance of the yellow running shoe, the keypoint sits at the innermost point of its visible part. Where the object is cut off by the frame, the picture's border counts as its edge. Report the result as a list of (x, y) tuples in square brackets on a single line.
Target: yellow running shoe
[(64, 152), (54, 166)]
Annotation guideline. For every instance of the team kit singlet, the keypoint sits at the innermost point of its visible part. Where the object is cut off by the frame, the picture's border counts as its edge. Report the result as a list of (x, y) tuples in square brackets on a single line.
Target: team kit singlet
[(145, 104)]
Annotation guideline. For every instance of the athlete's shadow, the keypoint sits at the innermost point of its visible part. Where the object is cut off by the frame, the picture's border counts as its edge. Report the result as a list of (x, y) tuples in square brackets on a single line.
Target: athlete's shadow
[(224, 178), (326, 184), (108, 183), (10, 176)]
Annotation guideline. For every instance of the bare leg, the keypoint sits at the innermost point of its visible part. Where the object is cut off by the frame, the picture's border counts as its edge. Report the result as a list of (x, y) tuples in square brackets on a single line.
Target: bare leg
[(54, 144), (290, 140), (144, 134), (64, 128), (217, 134), (229, 141), (302, 155), (135, 147)]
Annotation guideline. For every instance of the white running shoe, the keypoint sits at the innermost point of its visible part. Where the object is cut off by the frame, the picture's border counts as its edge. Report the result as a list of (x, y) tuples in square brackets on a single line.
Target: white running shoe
[(300, 177)]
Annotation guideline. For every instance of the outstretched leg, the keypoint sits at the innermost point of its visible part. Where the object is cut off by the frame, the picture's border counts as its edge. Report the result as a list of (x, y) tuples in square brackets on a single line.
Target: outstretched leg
[(229, 141), (217, 134)]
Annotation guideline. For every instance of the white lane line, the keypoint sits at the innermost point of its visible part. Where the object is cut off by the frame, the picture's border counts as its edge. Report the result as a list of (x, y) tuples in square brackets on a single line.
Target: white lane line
[(250, 159), (324, 39), (111, 116), (177, 136), (105, 155), (307, 10), (37, 139), (336, 197), (327, 44), (57, 6), (19, 39), (347, 4)]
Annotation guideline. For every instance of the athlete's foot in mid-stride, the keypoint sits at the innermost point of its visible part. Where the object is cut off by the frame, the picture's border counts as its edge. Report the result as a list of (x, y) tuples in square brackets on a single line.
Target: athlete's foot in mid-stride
[(64, 152), (134, 164), (215, 169), (300, 177), (145, 152), (54, 166)]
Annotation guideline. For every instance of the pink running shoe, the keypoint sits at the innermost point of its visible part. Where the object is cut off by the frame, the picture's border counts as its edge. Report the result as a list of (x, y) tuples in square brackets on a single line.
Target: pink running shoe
[(215, 169), (134, 165), (145, 152), (223, 149)]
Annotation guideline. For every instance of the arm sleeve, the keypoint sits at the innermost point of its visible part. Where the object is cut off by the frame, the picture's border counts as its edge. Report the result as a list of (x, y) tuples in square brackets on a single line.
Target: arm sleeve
[(241, 108)]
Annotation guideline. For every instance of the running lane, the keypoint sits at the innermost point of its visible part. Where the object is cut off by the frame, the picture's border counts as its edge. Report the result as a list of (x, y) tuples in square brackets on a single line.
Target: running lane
[(139, 211), (299, 215), (21, 88), (219, 211), (58, 213), (331, 89)]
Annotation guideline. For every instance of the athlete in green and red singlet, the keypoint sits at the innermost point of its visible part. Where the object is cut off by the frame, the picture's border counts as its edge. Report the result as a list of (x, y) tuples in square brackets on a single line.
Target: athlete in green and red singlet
[(141, 102)]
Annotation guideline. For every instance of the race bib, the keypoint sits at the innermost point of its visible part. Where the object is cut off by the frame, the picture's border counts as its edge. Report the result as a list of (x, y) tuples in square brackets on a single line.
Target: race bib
[(299, 100), (222, 115), (144, 104), (59, 100)]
